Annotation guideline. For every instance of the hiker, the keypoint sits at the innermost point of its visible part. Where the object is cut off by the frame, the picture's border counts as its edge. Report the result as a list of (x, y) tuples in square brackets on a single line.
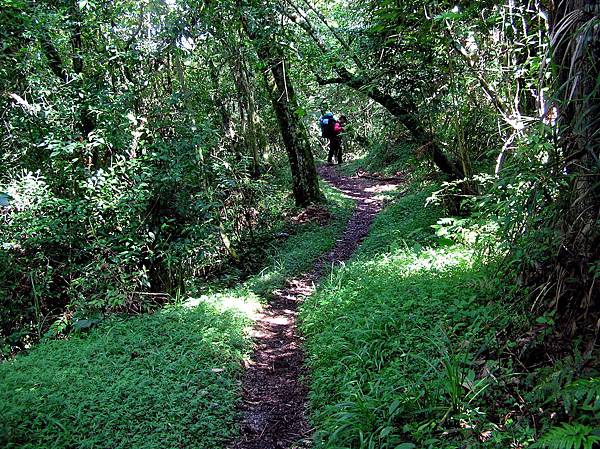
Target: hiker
[(338, 130), (331, 129)]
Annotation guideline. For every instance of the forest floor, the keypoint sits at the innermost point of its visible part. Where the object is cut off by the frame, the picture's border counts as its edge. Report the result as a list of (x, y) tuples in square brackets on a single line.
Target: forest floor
[(413, 342), (275, 391)]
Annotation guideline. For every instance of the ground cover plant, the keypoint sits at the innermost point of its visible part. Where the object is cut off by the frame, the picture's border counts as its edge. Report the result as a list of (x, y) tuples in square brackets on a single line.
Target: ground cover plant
[(167, 379), (309, 240), (408, 348), (159, 150)]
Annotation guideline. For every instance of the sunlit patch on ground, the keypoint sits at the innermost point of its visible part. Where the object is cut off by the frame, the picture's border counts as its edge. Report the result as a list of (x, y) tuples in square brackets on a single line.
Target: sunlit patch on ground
[(247, 304)]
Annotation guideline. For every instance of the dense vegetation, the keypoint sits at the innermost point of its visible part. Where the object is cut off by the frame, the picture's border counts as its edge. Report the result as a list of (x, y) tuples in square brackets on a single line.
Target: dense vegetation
[(415, 343), (155, 151), (168, 379)]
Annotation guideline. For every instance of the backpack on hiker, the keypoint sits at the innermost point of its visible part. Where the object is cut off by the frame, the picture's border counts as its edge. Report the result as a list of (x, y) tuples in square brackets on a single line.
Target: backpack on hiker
[(327, 123)]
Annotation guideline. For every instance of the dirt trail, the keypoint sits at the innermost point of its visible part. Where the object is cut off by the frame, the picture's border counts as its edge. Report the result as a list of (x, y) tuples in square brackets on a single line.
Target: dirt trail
[(275, 398)]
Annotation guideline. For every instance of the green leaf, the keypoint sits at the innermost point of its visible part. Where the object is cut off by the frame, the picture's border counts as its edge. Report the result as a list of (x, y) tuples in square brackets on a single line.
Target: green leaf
[(386, 431), (85, 324)]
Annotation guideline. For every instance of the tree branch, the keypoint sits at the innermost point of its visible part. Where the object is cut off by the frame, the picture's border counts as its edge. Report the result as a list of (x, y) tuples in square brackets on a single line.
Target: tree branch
[(335, 33), (303, 22)]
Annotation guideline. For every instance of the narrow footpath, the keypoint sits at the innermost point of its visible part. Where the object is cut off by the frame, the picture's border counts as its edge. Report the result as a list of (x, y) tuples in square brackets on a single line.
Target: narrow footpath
[(274, 396)]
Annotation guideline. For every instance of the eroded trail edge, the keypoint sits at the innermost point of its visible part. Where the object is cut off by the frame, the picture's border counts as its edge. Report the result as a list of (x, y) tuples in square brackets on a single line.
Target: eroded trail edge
[(274, 397)]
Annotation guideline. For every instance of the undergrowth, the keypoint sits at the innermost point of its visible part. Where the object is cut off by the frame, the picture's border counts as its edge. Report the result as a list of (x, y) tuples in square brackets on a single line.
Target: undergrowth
[(385, 158), (415, 344), (298, 252), (168, 379)]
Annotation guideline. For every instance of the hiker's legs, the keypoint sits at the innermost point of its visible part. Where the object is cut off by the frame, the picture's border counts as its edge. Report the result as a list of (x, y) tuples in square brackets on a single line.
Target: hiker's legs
[(332, 150), (336, 149)]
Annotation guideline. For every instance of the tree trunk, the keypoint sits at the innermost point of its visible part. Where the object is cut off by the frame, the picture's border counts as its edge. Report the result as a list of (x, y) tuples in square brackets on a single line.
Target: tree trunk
[(575, 34), (253, 137), (219, 102), (305, 181), (302, 164)]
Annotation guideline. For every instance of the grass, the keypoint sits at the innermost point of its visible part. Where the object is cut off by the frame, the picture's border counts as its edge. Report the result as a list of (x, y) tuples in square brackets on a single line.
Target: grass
[(406, 223), (164, 380), (399, 341), (299, 251), (170, 379), (384, 158)]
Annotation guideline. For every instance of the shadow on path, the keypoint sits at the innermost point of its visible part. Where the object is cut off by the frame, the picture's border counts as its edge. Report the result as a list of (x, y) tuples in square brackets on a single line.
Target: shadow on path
[(274, 397)]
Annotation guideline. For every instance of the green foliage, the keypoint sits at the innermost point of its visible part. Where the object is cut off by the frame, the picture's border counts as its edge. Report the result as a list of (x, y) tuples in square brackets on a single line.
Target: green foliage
[(571, 390), (139, 164), (387, 157), (569, 436), (308, 241), (394, 335), (127, 187), (407, 225), (171, 378), (124, 243), (162, 380), (408, 344), (582, 394)]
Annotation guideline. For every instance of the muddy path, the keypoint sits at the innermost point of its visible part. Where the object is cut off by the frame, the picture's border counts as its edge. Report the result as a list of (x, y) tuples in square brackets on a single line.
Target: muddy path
[(274, 396)]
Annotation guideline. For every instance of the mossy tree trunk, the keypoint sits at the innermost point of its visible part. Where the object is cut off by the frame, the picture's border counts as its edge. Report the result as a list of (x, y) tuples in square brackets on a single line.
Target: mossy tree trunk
[(305, 181)]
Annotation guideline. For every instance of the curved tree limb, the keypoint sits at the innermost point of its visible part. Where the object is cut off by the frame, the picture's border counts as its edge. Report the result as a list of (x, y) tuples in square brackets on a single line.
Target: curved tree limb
[(406, 111)]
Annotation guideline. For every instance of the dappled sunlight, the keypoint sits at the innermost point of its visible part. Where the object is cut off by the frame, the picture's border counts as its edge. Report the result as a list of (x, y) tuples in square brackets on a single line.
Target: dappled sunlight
[(27, 191), (381, 188), (162, 374), (378, 332), (183, 265), (300, 249), (389, 334), (436, 259), (405, 262), (247, 304)]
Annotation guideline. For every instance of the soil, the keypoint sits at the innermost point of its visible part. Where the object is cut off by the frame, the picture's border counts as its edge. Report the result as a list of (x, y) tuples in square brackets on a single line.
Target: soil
[(315, 213), (274, 390)]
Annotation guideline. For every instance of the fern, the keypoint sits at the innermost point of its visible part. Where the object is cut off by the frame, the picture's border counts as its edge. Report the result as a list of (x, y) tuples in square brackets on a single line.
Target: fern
[(568, 436), (582, 394)]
